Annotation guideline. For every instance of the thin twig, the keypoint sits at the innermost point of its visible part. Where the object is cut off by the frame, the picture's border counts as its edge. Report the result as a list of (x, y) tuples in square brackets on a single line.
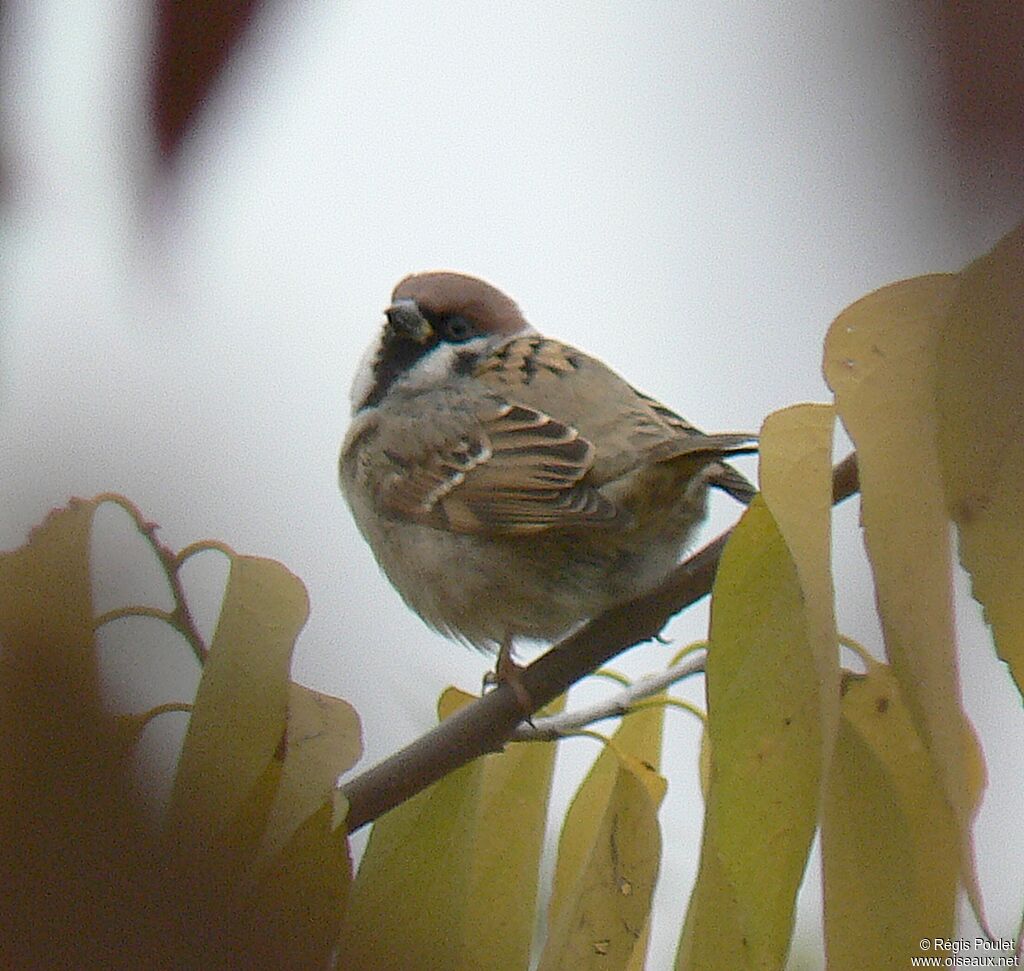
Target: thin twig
[(552, 727)]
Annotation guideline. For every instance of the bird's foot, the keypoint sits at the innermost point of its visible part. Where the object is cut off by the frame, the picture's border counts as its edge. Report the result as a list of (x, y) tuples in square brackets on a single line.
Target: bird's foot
[(506, 671)]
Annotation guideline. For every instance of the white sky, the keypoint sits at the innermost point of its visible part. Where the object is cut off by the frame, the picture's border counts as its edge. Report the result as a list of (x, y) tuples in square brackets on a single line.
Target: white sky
[(690, 191)]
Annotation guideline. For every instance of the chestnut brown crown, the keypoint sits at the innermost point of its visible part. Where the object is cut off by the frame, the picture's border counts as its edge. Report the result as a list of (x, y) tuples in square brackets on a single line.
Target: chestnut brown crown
[(443, 293)]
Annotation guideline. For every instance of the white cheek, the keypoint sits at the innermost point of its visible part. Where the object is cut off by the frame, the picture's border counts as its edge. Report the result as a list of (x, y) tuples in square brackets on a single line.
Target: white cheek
[(429, 371), (435, 367), (362, 383)]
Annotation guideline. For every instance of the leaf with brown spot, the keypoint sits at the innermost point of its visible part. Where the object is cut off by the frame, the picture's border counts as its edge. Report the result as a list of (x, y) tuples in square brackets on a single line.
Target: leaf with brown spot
[(880, 360), (890, 841)]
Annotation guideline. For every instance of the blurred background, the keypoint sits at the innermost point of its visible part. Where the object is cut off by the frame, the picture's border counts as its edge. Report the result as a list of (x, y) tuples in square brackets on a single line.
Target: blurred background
[(204, 207)]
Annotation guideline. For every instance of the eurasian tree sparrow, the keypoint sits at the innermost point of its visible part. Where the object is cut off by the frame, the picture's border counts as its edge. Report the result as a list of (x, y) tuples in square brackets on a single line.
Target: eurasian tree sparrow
[(510, 485)]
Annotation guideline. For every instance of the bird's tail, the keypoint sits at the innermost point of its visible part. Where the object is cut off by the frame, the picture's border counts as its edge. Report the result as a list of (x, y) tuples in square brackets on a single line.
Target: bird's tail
[(732, 481), (719, 474)]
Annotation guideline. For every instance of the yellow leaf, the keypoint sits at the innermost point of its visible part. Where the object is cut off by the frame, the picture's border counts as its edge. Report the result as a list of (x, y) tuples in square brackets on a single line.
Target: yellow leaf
[(238, 719), (890, 841), (514, 793), (62, 798), (639, 738), (323, 740), (638, 958), (880, 362), (868, 863), (704, 763), (714, 915), (764, 724), (452, 700), (225, 865), (460, 856), (980, 401), (296, 909), (46, 608), (603, 918), (635, 748), (795, 475), (413, 880), (89, 882), (78, 858)]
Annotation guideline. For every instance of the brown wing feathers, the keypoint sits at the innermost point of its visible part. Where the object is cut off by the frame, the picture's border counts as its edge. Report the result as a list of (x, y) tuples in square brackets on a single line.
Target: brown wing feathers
[(519, 473)]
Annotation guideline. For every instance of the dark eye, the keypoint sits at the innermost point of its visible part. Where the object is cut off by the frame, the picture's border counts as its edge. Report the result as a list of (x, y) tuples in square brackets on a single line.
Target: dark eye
[(457, 329)]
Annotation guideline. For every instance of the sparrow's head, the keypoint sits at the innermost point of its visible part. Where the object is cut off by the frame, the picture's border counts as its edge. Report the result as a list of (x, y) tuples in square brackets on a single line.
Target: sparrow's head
[(437, 323)]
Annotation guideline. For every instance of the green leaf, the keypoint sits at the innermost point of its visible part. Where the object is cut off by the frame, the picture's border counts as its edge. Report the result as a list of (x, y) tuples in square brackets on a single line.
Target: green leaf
[(764, 726), (980, 402), (880, 362), (608, 854), (461, 856), (238, 719)]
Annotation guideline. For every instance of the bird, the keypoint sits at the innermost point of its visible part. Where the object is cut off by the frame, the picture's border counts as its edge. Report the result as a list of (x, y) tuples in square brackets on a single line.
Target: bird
[(509, 485)]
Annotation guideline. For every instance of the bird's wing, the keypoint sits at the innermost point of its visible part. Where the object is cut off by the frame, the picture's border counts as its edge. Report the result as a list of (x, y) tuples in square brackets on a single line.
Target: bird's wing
[(720, 475), (498, 468), (632, 428)]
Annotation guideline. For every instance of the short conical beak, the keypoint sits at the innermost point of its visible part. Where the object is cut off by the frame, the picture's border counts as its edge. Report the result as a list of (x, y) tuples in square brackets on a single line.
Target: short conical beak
[(405, 319)]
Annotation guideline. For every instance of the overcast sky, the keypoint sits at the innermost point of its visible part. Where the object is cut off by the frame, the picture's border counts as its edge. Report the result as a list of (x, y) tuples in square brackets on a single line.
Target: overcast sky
[(690, 191)]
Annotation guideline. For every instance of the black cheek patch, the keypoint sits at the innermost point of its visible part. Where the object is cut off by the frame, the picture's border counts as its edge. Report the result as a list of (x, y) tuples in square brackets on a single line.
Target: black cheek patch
[(397, 357)]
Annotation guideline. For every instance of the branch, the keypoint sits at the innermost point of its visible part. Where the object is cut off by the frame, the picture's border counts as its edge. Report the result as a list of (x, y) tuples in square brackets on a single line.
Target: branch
[(487, 724)]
